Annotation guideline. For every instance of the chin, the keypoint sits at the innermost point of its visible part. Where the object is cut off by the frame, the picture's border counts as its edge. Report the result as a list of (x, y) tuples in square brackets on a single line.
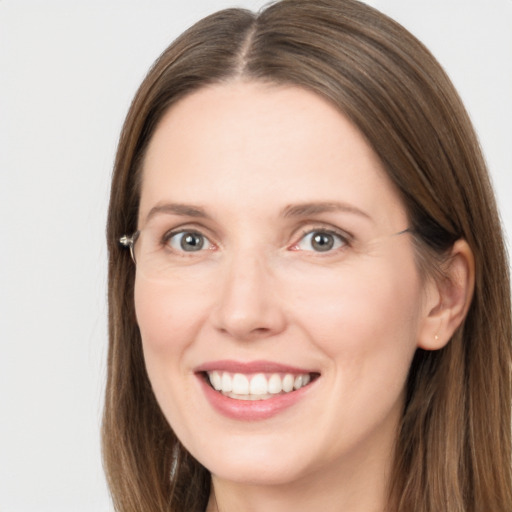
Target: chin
[(265, 473), (254, 462)]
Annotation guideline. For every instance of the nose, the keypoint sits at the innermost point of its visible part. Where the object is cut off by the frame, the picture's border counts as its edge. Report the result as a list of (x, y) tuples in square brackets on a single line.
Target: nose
[(249, 305)]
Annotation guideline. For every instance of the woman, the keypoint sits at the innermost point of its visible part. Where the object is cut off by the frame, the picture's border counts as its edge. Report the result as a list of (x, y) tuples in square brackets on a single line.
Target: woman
[(316, 311)]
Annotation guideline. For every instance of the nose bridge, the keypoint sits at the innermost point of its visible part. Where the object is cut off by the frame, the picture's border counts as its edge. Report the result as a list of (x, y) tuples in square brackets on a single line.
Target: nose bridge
[(248, 304)]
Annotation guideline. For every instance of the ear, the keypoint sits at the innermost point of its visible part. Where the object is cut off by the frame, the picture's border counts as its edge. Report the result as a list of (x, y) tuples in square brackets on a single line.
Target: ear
[(448, 298)]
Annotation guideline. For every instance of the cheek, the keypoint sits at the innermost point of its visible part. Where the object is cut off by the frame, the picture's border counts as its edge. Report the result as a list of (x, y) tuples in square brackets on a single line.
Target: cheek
[(365, 320), (168, 323), (367, 326), (167, 314), (168, 320), (155, 317)]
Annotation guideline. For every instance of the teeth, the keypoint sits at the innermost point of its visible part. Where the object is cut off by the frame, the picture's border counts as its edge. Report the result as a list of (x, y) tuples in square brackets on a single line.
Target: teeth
[(216, 380), (226, 383), (288, 383), (258, 386), (240, 384), (275, 384)]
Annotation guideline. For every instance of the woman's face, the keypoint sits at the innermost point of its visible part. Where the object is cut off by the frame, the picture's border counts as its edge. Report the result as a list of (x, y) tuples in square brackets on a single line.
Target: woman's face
[(271, 257)]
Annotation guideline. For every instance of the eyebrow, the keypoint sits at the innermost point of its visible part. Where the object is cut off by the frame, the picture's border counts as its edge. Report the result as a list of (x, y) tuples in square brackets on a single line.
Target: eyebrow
[(308, 209), (183, 210), (294, 210)]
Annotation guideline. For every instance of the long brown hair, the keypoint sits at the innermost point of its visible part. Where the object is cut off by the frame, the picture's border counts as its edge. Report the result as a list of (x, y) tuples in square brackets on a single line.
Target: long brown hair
[(454, 447)]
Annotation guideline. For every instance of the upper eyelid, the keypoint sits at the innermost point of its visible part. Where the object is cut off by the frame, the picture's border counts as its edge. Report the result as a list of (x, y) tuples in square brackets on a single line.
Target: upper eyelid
[(189, 227), (185, 229), (327, 228), (170, 233)]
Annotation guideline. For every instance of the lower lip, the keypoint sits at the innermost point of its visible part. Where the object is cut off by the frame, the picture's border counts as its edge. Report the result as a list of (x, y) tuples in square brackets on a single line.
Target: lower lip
[(251, 410)]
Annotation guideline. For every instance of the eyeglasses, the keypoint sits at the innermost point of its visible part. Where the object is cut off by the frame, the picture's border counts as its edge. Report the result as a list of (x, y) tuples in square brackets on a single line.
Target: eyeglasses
[(157, 253), (129, 241)]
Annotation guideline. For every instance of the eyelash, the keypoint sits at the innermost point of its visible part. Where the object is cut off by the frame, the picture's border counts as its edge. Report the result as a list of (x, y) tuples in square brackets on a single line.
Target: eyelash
[(170, 235), (344, 240)]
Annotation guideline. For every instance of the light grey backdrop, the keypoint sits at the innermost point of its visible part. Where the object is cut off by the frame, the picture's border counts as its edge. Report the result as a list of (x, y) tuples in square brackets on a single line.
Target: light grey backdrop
[(68, 71)]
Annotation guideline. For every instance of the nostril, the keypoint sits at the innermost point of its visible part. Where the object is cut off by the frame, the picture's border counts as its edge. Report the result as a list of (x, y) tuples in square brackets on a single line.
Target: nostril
[(245, 333)]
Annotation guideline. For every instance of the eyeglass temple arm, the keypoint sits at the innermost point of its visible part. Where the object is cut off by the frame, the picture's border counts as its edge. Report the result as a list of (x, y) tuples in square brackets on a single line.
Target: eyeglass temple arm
[(129, 241)]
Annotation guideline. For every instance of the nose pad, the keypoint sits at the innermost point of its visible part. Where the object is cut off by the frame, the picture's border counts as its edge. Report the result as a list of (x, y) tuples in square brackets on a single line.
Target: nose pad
[(249, 306)]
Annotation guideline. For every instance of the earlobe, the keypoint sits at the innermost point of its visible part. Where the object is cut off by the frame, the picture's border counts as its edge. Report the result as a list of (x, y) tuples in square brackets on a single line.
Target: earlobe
[(448, 298)]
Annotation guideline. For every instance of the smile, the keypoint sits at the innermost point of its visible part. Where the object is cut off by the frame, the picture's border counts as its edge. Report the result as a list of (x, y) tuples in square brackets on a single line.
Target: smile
[(256, 390), (259, 386)]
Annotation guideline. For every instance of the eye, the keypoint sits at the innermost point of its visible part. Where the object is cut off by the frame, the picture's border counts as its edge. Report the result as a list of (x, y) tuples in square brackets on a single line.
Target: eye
[(321, 240), (188, 241)]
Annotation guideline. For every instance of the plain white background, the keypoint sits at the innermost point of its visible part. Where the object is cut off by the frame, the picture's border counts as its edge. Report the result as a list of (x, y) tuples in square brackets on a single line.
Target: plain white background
[(68, 71)]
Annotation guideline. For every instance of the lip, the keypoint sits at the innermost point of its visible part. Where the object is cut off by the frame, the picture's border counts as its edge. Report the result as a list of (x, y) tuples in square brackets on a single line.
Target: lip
[(250, 367), (251, 410)]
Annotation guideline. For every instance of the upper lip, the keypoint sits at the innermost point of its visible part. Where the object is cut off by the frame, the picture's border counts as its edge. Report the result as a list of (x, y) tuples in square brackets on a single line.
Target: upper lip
[(250, 367)]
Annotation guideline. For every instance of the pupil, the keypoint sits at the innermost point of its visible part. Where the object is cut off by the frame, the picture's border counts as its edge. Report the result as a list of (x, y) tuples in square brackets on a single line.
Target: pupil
[(192, 242), (322, 242)]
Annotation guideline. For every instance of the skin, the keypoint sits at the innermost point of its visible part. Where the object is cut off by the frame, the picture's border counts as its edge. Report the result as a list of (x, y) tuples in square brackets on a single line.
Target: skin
[(244, 152)]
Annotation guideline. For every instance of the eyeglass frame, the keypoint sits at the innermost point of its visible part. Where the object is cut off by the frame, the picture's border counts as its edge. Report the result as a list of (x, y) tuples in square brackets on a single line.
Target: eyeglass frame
[(129, 240)]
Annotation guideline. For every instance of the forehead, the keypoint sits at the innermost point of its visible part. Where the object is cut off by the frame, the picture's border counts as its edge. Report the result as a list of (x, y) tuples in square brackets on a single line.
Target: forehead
[(246, 145)]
